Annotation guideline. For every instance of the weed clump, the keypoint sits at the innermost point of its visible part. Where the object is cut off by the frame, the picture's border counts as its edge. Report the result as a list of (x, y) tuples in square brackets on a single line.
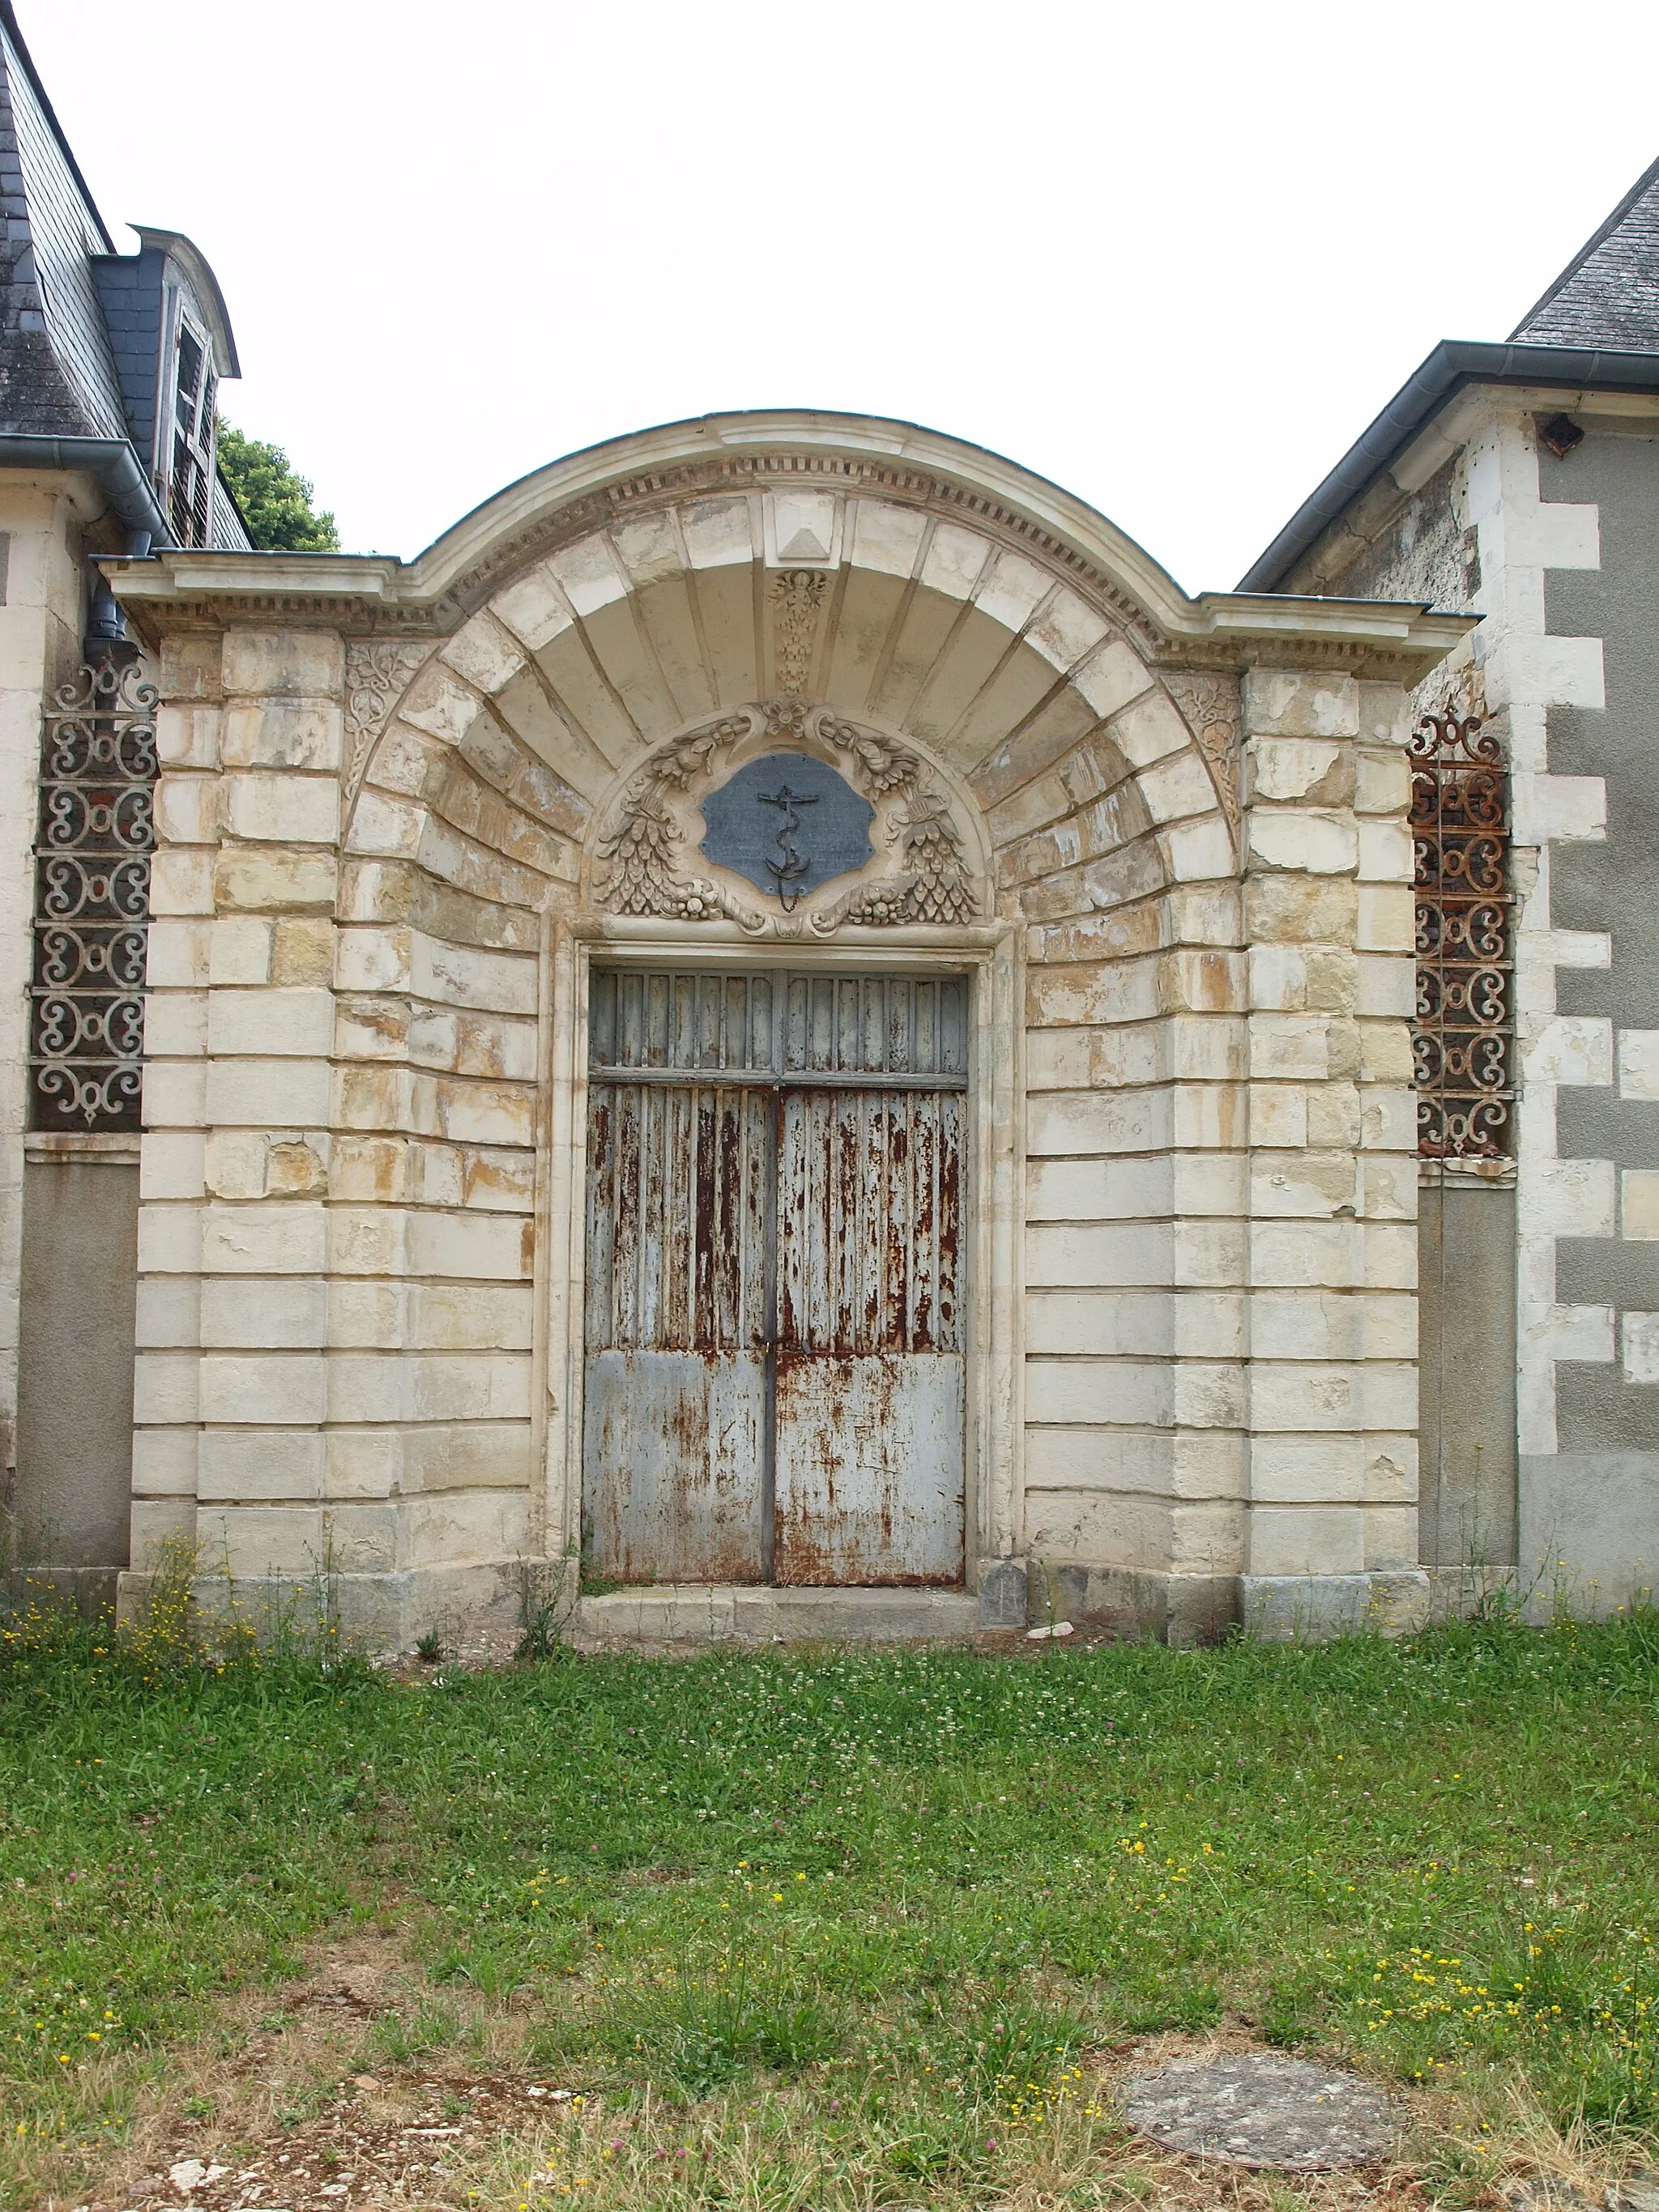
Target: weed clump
[(183, 1622), (695, 2031)]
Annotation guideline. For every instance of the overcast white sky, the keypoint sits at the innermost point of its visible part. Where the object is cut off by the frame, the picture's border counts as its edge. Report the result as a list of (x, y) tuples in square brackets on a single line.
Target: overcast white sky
[(1175, 256)]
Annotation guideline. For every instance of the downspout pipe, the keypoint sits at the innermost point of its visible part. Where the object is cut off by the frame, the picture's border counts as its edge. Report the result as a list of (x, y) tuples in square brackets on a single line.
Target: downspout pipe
[(112, 460)]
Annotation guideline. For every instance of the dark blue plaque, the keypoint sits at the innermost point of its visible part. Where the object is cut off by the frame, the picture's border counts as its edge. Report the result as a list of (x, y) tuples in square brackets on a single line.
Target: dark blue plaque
[(788, 823)]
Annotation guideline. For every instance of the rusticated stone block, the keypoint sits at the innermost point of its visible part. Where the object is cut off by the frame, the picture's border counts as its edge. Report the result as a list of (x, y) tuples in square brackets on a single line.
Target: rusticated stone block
[(1279, 703), (279, 663), (267, 879)]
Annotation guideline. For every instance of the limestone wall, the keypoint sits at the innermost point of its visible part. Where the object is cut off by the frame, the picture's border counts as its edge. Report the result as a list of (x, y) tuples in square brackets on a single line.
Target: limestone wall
[(379, 891), (1331, 1258), (339, 1164), (1221, 1199), (75, 1362)]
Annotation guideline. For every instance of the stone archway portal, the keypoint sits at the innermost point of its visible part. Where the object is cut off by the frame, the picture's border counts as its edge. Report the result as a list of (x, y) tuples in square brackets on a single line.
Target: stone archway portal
[(774, 1335)]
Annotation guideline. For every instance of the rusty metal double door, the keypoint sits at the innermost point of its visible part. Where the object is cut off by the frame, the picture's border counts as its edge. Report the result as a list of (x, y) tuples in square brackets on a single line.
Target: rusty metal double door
[(774, 1338)]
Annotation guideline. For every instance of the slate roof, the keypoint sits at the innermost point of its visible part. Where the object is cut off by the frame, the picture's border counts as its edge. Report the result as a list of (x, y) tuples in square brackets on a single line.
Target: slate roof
[(1608, 293), (80, 324), (1597, 326), (130, 294), (58, 376)]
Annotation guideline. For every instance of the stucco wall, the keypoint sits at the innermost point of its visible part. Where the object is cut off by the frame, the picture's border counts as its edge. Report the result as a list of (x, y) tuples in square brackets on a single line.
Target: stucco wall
[(75, 1380), (1399, 543), (1466, 1354), (42, 521), (1407, 545)]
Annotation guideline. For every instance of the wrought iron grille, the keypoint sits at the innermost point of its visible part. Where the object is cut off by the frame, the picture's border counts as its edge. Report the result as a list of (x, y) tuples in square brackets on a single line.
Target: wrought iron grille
[(91, 900), (1462, 1037)]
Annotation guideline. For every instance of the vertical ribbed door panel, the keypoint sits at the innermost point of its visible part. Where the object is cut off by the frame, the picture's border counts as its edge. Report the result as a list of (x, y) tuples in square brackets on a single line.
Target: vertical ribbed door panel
[(774, 1385), (679, 1231), (869, 1391)]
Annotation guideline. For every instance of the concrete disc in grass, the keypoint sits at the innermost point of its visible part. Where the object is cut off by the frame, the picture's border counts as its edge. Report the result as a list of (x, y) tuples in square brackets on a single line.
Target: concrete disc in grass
[(1258, 2108)]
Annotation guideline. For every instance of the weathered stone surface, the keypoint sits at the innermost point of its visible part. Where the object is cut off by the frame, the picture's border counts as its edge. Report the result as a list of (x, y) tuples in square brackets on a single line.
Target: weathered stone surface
[(1541, 2193), (1002, 1596), (1260, 2109), (374, 901)]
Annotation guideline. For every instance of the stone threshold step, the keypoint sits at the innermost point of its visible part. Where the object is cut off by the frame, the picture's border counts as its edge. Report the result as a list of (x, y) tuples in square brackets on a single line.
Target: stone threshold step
[(707, 1613)]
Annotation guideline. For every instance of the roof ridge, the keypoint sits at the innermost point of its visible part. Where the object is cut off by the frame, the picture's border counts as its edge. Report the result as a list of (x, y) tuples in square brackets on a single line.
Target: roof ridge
[(1637, 192)]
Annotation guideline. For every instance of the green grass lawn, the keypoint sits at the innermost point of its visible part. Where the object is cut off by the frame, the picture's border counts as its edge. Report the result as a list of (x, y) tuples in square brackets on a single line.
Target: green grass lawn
[(874, 1911)]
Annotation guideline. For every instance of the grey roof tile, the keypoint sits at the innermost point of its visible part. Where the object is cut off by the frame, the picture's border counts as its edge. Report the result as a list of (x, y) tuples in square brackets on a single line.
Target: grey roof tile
[(1608, 293), (56, 373)]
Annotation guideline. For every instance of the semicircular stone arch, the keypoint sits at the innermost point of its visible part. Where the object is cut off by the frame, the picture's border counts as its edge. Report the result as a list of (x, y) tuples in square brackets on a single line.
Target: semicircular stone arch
[(1091, 794), (1186, 1240), (484, 764)]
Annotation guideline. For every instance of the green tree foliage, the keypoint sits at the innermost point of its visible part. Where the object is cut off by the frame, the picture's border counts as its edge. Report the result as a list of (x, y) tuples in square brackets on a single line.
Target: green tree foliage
[(275, 500)]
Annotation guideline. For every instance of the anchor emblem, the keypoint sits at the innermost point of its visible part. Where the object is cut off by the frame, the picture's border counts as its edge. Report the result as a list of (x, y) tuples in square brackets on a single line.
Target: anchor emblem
[(794, 864), (757, 825)]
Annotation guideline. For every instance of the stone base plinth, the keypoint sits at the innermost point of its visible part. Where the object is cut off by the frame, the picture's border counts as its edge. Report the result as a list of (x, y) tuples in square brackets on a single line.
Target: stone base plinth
[(88, 1591), (482, 1613), (476, 1612), (710, 1612), (1311, 1608), (1138, 1604)]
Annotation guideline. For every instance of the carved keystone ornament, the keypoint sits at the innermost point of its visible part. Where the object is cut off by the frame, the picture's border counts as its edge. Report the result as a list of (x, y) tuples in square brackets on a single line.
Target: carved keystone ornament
[(825, 822)]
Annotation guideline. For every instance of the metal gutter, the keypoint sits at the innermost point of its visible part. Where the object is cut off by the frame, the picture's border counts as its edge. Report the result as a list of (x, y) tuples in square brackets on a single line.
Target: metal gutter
[(112, 460), (1453, 363)]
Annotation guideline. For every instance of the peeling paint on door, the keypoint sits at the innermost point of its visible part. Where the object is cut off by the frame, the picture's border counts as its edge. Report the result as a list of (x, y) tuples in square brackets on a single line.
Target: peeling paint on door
[(679, 1179), (775, 1367)]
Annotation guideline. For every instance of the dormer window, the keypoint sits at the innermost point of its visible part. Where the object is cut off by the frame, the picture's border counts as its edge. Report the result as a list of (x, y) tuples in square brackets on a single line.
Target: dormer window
[(190, 492)]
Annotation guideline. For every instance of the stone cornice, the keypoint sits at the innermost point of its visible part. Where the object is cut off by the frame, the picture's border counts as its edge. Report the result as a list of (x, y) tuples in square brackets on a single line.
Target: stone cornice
[(374, 595), (1398, 641)]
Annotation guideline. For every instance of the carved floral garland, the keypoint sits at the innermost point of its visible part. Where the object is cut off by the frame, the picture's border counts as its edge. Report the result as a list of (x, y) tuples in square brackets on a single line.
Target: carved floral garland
[(1209, 705), (798, 597), (376, 678), (639, 859)]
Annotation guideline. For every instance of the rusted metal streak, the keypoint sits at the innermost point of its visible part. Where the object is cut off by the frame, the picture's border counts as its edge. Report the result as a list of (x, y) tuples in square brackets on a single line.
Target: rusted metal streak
[(869, 1471), (774, 1369)]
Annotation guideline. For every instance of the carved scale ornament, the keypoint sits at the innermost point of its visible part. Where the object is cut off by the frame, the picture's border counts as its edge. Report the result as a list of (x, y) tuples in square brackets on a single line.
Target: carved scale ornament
[(922, 871)]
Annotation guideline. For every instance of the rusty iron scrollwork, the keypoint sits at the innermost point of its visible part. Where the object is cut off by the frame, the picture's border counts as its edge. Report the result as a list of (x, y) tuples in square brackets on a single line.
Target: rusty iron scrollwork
[(1462, 1037), (92, 860)]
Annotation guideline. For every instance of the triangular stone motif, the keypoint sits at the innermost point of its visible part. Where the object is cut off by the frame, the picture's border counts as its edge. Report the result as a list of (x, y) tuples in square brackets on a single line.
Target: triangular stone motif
[(805, 545)]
